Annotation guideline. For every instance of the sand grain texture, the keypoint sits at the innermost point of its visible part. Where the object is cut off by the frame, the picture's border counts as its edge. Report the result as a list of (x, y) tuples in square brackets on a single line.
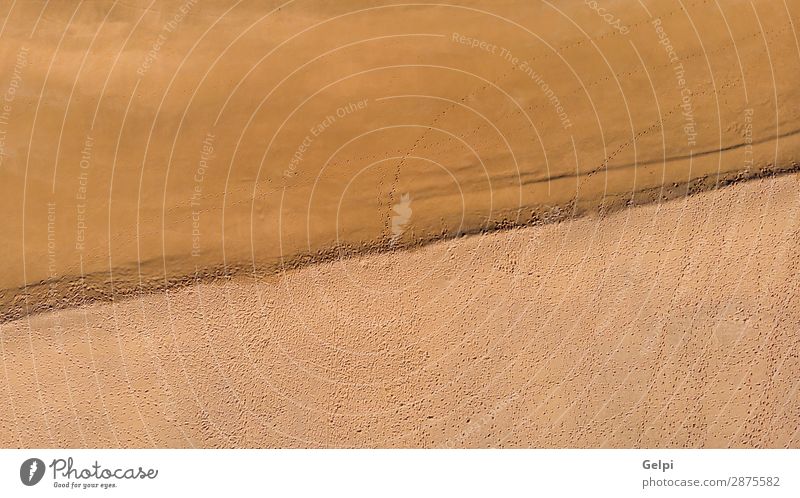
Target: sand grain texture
[(671, 325), (490, 223)]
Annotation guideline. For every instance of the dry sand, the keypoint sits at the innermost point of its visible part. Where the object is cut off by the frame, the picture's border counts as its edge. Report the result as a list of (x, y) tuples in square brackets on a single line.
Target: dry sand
[(672, 325), (276, 196)]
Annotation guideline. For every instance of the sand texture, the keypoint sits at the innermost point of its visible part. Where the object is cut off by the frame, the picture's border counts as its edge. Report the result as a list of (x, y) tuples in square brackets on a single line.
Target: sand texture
[(363, 223), (151, 142), (671, 325)]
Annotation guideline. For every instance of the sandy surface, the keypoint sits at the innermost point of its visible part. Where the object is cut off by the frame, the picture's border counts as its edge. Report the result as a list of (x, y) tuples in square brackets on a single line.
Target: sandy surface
[(672, 325), (361, 223), (145, 142)]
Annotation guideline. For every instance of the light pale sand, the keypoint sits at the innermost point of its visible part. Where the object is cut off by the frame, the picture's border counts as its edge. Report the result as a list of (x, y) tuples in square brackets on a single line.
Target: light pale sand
[(672, 325)]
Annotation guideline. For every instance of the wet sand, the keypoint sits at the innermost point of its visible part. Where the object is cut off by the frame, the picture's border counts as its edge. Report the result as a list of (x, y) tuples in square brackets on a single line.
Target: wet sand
[(147, 144)]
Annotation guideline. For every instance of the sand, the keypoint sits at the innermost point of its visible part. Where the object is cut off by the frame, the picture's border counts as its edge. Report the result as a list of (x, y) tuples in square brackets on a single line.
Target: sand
[(361, 223), (150, 142), (672, 325)]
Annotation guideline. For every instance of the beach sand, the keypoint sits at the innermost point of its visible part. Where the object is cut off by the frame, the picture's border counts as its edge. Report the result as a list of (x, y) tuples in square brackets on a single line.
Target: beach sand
[(671, 325), (147, 144), (368, 224)]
